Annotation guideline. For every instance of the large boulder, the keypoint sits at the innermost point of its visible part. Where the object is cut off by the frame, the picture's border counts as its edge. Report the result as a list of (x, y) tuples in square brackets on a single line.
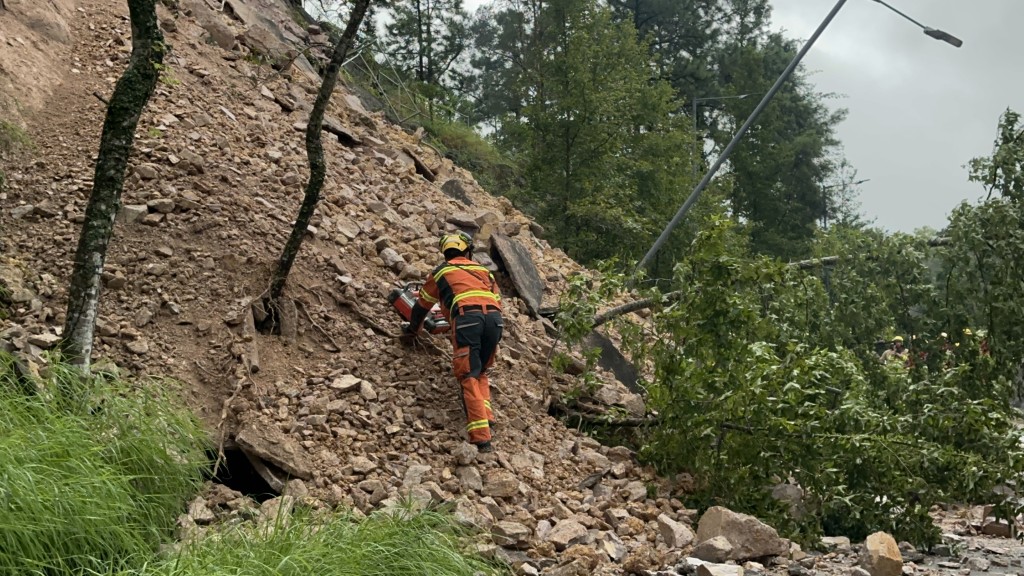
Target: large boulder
[(881, 555), (749, 537)]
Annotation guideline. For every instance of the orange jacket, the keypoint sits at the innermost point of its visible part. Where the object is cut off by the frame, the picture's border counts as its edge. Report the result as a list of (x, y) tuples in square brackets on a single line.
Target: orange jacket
[(459, 282)]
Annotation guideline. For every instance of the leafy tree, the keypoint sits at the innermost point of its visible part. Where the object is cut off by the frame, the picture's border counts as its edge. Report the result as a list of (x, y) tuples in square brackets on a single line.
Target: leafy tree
[(131, 94), (315, 152), (711, 49), (780, 166), (604, 156)]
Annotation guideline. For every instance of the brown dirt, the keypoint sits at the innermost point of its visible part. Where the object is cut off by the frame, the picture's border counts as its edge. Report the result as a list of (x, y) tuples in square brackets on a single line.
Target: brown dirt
[(231, 161)]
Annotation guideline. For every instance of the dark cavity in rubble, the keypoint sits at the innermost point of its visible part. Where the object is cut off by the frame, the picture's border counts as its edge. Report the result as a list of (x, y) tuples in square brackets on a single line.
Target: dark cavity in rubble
[(236, 472)]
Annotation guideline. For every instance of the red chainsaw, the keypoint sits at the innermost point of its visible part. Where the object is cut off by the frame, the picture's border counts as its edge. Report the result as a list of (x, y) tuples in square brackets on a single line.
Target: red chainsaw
[(404, 297)]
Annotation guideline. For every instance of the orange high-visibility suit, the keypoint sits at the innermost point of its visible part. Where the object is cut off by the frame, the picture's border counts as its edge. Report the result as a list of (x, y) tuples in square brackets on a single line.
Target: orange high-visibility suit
[(471, 302)]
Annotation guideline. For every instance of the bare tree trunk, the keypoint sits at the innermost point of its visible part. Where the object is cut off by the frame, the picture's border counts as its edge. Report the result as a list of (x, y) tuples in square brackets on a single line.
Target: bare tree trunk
[(315, 150), (131, 94)]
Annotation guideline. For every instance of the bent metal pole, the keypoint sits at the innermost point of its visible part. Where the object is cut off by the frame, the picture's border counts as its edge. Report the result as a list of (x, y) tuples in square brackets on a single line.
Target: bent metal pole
[(739, 136)]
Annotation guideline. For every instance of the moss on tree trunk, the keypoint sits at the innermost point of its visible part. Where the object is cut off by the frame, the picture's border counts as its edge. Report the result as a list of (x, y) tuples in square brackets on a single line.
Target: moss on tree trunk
[(315, 150), (131, 94)]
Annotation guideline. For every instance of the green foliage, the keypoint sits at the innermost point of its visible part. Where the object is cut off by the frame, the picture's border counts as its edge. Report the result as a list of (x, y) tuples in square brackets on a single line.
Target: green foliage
[(384, 544), (94, 471), (763, 373), (604, 157)]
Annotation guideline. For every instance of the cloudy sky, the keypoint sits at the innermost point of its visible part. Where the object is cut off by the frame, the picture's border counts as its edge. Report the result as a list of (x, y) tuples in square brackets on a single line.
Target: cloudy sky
[(919, 109)]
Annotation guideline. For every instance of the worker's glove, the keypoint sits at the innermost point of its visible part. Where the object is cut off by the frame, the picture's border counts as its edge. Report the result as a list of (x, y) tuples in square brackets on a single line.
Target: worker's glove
[(409, 335)]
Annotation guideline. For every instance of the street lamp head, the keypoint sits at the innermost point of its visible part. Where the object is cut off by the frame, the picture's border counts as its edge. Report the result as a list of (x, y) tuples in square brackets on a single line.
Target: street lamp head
[(944, 36)]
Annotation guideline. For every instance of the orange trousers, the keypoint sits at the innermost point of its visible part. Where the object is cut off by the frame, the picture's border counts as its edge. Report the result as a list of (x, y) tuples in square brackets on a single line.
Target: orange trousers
[(475, 337)]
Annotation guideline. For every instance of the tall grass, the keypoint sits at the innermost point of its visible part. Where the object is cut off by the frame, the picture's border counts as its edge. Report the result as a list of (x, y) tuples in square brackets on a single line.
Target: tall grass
[(383, 544), (93, 471)]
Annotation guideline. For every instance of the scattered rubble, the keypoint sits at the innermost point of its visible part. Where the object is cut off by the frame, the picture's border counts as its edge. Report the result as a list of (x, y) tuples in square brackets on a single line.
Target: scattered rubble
[(334, 412)]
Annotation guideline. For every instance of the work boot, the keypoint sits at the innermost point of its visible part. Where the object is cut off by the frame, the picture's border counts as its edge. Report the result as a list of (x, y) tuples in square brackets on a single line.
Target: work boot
[(484, 447)]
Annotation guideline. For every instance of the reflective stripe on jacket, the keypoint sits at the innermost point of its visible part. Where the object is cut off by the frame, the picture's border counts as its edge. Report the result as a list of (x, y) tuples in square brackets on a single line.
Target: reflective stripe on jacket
[(459, 282)]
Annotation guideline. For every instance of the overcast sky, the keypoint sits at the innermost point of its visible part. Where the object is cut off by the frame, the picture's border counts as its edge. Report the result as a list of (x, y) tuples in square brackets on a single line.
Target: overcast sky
[(919, 109)]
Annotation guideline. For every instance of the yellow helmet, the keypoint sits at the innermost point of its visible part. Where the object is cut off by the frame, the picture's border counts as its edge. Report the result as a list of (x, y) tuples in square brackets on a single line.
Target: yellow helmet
[(459, 241), (897, 338), (967, 332)]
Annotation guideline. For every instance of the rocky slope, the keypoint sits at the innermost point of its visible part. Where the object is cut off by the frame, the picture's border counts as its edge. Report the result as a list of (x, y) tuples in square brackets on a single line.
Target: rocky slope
[(332, 399)]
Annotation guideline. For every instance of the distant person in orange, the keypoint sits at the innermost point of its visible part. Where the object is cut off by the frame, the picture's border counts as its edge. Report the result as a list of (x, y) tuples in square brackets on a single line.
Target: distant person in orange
[(470, 300)]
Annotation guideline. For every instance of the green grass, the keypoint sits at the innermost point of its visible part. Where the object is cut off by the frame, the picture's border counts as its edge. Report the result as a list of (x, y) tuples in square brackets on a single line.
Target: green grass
[(93, 472), (381, 545), (13, 137)]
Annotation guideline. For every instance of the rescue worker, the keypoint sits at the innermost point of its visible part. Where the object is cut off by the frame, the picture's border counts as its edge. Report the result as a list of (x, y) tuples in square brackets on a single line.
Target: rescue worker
[(470, 300), (896, 354)]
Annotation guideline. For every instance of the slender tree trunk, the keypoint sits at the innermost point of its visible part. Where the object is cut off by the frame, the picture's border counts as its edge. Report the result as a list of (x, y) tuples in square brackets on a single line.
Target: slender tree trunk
[(315, 150), (130, 96)]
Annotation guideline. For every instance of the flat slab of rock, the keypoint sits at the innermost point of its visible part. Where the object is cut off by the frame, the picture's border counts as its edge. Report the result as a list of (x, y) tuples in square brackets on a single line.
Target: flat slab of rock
[(567, 533), (274, 446), (519, 266), (750, 538), (881, 555), (708, 569)]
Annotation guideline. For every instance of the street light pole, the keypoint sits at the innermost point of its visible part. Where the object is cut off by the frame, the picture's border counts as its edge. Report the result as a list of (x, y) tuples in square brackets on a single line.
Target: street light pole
[(937, 34), (933, 32)]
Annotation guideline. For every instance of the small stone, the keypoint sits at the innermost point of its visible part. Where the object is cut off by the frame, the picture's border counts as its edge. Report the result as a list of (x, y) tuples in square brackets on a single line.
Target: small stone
[(510, 534), (465, 453), (366, 391), (675, 534), (200, 512), (414, 475), (139, 347), (501, 484), (612, 545), (161, 205), (147, 171), (979, 564), (45, 341), (392, 259), (131, 213), (296, 488), (362, 465), (567, 533), (469, 477), (717, 549), (709, 569), (164, 251), (22, 211), (345, 383), (881, 556), (840, 544)]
